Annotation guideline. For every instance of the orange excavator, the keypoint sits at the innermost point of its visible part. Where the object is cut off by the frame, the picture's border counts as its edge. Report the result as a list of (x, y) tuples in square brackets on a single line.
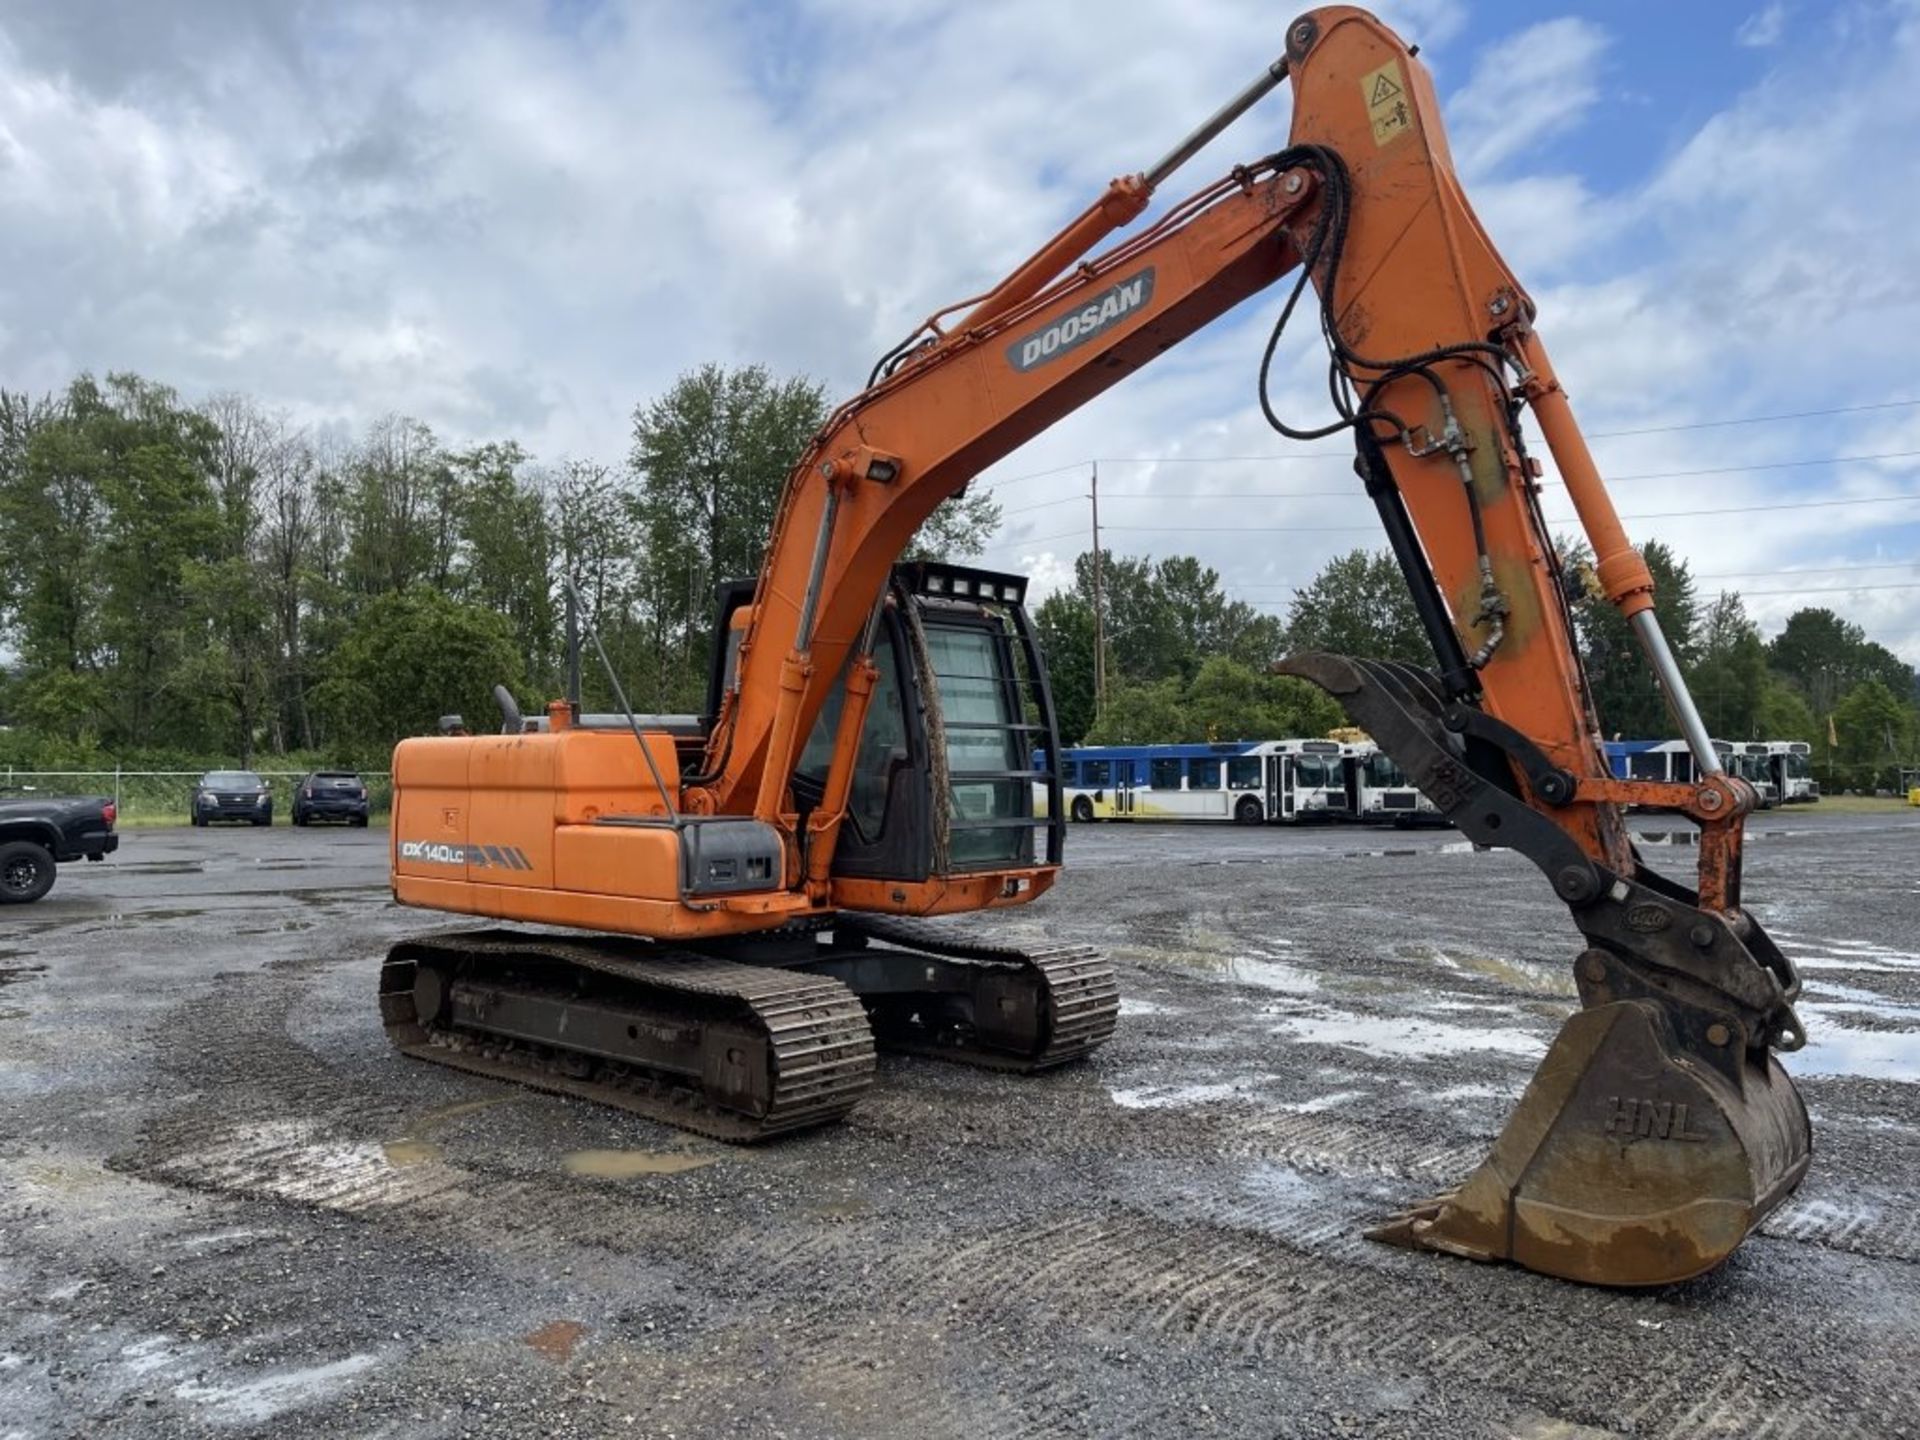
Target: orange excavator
[(751, 882)]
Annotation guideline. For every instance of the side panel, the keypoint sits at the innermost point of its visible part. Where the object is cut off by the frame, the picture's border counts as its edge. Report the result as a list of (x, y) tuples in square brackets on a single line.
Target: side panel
[(485, 808), (510, 829), (431, 798)]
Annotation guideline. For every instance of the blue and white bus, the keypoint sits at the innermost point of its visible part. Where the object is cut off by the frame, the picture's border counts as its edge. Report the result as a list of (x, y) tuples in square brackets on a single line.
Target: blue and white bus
[(1248, 781), (1673, 763)]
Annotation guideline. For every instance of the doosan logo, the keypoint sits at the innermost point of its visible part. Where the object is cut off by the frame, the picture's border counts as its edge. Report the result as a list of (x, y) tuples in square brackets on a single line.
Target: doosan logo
[(1072, 330)]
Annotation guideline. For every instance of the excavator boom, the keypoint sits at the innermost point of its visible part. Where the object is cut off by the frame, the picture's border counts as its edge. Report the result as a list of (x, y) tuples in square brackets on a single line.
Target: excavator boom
[(1660, 1128)]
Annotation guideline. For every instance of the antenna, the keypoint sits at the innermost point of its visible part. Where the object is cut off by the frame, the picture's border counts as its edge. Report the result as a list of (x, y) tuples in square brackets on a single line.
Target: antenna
[(620, 695)]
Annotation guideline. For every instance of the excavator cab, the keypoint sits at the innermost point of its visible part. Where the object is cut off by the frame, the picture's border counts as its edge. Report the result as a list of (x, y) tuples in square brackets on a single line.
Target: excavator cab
[(957, 736)]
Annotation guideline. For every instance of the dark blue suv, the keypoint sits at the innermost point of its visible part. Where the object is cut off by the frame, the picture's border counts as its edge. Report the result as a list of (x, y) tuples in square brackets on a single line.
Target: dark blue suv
[(232, 795), (330, 795)]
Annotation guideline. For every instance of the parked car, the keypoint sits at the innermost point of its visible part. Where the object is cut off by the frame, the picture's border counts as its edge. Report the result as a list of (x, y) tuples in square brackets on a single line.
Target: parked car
[(232, 795), (39, 831), (330, 795)]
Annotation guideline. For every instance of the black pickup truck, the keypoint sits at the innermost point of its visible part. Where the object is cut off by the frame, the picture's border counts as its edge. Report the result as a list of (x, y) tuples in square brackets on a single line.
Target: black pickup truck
[(38, 831)]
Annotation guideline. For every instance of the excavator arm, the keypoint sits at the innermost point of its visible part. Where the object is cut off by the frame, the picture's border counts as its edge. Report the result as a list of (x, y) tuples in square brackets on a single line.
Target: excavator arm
[(1660, 1129)]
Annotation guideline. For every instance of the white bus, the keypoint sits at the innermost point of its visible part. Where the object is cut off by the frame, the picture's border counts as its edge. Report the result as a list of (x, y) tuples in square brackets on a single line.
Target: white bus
[(1752, 763), (1792, 765), (1381, 793)]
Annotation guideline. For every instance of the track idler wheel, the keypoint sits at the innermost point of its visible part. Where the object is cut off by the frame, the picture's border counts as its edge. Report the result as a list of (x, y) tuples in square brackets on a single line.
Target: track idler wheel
[(1642, 1153)]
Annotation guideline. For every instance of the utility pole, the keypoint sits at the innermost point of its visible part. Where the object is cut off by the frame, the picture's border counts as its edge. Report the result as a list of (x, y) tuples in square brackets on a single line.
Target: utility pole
[(1099, 605)]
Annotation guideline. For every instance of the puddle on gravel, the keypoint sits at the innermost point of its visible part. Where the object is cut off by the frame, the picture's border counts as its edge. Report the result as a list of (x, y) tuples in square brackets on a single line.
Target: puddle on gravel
[(1332, 1101), (1862, 955), (1455, 1093), (1404, 1037), (255, 1401), (1266, 972), (1182, 1097), (13, 974), (141, 917), (1836, 1049), (626, 1164), (413, 1148), (556, 1339), (850, 1208), (405, 1152), (1520, 974)]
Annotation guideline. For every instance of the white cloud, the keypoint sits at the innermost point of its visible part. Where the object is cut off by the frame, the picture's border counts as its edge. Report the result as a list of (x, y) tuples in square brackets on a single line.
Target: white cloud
[(1527, 89), (1763, 28)]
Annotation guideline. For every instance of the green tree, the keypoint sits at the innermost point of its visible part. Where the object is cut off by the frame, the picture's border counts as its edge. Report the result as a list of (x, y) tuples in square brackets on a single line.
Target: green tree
[(409, 657), (51, 513), (1872, 725), (710, 458), (1064, 623), (1359, 605), (1225, 700), (1785, 715), (1729, 674), (506, 562), (1147, 712), (1165, 618), (958, 529), (399, 503), (1827, 656)]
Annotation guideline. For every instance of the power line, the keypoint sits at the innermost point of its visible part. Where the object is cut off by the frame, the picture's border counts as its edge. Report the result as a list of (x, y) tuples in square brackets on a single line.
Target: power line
[(1755, 419), (1645, 515), (1591, 435), (1355, 494), (1832, 590), (1842, 569), (1370, 529), (1797, 590)]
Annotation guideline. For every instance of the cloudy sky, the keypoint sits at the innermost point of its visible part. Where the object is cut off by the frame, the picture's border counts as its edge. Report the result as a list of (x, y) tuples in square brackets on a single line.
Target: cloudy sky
[(518, 218)]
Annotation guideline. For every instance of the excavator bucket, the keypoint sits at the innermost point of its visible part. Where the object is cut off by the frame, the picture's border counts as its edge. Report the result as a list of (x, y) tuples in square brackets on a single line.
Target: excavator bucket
[(1659, 1129), (1630, 1160)]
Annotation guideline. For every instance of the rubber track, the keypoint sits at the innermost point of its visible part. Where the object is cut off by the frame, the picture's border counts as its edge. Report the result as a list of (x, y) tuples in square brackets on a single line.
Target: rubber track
[(1080, 996), (822, 1045)]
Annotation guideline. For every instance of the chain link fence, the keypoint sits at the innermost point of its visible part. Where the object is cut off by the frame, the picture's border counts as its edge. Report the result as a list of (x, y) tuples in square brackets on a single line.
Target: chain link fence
[(165, 797)]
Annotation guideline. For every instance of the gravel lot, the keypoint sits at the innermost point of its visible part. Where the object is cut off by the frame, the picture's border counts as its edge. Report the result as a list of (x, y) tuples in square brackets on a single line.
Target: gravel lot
[(226, 1208)]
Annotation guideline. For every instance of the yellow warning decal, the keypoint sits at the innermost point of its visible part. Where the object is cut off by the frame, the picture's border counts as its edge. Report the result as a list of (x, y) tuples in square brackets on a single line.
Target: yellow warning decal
[(1388, 107)]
